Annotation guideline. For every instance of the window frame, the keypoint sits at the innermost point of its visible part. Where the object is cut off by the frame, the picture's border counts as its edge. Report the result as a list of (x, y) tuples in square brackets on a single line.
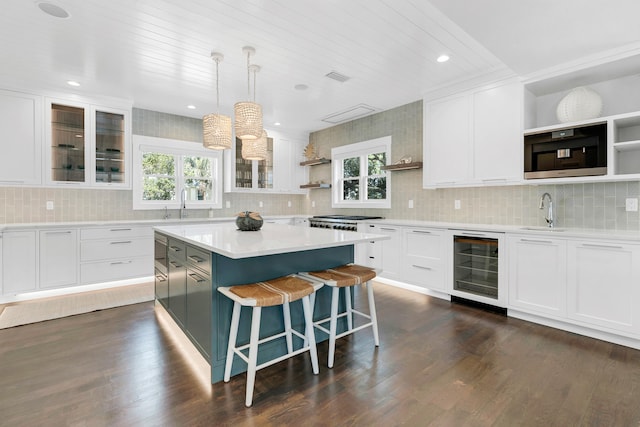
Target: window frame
[(178, 149), (360, 150)]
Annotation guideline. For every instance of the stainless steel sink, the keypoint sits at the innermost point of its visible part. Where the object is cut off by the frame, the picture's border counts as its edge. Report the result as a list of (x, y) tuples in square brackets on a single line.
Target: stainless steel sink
[(550, 229)]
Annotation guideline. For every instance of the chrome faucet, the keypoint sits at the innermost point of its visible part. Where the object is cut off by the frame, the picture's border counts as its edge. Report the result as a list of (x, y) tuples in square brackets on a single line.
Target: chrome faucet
[(183, 203), (549, 217), (167, 215)]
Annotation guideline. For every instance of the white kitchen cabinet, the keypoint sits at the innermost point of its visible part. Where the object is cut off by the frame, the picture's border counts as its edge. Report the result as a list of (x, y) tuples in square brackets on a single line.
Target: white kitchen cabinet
[(447, 141), (279, 173), (423, 255), (115, 253), (20, 138), (474, 138), (58, 258), (87, 145), (387, 254), (537, 274), (603, 284), (19, 262)]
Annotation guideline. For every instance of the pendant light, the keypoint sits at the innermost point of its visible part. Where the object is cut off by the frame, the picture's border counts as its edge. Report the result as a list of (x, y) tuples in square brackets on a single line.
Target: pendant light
[(248, 114), (216, 128), (255, 149)]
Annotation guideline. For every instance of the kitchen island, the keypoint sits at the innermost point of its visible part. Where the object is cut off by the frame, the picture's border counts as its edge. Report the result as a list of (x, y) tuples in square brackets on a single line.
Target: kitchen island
[(192, 261)]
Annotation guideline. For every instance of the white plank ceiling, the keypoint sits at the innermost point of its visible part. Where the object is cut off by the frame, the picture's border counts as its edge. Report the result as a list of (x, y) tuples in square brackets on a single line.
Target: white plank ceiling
[(157, 52)]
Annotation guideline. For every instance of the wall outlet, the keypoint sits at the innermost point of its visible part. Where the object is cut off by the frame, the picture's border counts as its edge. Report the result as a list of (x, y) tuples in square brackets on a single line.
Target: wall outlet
[(313, 203), (631, 204), (457, 204), (260, 204), (49, 205), (410, 204), (289, 203), (228, 204)]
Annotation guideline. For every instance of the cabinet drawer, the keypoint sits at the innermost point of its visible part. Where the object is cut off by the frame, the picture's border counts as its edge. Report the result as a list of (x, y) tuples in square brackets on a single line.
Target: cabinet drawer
[(115, 232), (423, 243), (96, 272), (199, 258), (428, 275), (177, 249), (96, 250)]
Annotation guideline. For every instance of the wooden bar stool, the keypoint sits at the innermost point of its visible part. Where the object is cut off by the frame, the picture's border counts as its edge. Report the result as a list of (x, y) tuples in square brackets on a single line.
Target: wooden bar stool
[(279, 291), (345, 276)]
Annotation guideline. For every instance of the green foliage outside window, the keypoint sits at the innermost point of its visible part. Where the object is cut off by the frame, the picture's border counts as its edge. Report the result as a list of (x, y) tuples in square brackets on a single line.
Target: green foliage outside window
[(159, 176)]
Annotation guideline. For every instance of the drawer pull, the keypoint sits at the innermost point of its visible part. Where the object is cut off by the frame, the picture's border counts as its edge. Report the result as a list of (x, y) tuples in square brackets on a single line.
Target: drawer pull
[(121, 262), (421, 267), (421, 231), (548, 242), (195, 259), (372, 257), (120, 229), (388, 229), (126, 242), (593, 245), (197, 278), (58, 232), (175, 248), (175, 264), (161, 278)]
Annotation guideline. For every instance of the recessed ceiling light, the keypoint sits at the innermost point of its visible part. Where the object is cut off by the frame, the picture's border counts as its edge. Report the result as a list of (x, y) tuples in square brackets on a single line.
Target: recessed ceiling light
[(443, 58), (191, 107), (277, 123), (53, 10), (73, 83), (301, 87)]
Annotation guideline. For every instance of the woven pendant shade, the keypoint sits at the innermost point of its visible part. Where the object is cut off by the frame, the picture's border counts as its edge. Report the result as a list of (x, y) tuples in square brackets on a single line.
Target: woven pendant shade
[(255, 149), (248, 122), (216, 130)]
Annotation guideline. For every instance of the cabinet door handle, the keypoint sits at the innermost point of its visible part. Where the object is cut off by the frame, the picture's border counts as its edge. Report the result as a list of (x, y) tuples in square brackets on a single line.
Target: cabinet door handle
[(388, 229), (120, 229), (372, 257), (161, 278), (421, 231), (125, 242), (175, 248), (175, 264), (195, 259), (121, 262), (473, 234), (197, 278), (421, 267), (594, 245), (58, 232), (547, 242)]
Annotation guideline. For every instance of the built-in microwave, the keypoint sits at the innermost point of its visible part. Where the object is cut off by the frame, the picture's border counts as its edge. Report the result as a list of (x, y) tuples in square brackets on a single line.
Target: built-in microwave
[(574, 151)]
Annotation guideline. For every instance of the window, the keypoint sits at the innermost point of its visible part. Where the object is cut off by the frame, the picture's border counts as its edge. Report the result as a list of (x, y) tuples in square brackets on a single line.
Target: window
[(164, 168), (358, 178)]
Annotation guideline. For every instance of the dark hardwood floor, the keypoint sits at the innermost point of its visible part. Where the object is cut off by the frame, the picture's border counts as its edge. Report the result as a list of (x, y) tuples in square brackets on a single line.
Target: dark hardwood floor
[(439, 364)]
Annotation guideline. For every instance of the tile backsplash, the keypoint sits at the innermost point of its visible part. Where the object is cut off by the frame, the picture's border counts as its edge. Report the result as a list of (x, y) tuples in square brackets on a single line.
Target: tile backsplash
[(595, 205)]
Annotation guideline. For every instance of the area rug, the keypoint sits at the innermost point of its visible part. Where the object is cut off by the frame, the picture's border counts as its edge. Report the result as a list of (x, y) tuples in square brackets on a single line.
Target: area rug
[(33, 311)]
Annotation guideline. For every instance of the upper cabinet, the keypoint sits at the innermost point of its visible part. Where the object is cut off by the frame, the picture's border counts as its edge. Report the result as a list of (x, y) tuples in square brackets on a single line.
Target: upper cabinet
[(474, 138), (87, 145), (279, 173), (20, 138)]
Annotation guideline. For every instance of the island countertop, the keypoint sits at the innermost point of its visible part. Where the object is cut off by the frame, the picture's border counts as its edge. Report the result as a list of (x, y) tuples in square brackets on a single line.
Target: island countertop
[(225, 239)]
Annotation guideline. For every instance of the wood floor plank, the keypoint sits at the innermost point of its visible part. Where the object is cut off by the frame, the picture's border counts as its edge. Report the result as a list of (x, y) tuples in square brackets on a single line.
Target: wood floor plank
[(439, 364)]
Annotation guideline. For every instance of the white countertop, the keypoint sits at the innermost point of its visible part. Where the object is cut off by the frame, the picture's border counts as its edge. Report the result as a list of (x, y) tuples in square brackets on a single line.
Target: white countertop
[(227, 240)]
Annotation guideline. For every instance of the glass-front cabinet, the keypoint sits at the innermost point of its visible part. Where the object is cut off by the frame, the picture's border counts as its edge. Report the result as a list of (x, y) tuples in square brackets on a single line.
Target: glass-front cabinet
[(252, 174), (87, 145)]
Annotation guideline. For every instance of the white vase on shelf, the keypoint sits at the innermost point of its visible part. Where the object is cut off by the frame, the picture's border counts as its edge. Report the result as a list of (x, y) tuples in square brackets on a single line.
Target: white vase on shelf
[(580, 103)]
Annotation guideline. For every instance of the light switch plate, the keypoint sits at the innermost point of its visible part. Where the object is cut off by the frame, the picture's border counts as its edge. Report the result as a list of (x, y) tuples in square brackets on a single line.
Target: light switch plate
[(228, 204), (49, 205), (410, 204), (260, 204), (631, 204), (457, 204), (289, 204), (313, 203)]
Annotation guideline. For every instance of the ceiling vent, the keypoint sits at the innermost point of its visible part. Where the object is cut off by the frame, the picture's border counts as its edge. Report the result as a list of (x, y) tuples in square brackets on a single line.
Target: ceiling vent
[(351, 113), (334, 75)]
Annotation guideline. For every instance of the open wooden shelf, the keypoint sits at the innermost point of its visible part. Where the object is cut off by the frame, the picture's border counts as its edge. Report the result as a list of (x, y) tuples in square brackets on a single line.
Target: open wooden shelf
[(315, 186), (402, 166), (313, 162)]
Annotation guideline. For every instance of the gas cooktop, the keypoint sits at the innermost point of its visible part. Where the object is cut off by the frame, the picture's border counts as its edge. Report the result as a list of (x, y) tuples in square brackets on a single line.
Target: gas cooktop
[(347, 217)]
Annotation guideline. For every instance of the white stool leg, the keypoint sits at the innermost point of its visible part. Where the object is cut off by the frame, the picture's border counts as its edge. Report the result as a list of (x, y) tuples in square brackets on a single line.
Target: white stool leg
[(253, 353), (233, 335), (349, 307), (312, 303), (333, 324), (310, 334), (372, 313), (286, 312)]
